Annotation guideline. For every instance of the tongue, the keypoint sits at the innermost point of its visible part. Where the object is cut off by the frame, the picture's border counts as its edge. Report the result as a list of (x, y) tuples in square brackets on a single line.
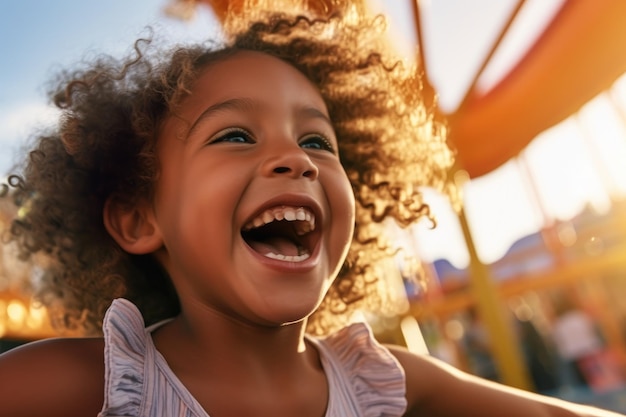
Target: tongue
[(276, 245)]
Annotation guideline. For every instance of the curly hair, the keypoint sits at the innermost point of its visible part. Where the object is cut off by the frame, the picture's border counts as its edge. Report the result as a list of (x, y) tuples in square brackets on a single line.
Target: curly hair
[(104, 147)]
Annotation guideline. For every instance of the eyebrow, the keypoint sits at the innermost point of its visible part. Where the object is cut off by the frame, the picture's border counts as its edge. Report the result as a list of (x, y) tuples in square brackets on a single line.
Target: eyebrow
[(314, 112), (245, 105), (240, 104)]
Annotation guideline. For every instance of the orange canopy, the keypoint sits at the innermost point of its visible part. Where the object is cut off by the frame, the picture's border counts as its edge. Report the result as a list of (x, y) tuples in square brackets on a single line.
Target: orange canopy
[(579, 55)]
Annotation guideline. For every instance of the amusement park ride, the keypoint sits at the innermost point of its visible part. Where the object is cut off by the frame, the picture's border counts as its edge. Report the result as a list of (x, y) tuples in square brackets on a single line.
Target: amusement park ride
[(579, 55)]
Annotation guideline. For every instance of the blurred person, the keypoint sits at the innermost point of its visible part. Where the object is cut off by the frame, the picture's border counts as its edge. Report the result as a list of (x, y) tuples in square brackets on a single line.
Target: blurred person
[(539, 353), (577, 340), (476, 343)]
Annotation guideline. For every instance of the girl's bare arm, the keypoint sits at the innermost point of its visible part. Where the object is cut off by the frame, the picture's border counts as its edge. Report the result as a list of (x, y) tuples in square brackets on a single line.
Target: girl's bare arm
[(56, 377), (437, 389)]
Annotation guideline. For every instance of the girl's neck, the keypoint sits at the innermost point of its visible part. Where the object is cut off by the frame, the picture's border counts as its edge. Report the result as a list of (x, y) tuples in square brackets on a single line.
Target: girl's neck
[(270, 369), (214, 341)]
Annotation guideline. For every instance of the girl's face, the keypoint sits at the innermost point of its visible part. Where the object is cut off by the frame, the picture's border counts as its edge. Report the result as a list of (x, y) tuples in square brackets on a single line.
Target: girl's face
[(253, 207)]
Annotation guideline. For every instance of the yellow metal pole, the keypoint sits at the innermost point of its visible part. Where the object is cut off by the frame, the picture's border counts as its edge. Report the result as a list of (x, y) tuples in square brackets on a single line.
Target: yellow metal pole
[(508, 357)]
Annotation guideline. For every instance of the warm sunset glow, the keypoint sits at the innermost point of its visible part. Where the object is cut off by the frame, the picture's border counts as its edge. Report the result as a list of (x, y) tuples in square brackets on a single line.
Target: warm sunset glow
[(16, 313), (577, 163), (21, 318)]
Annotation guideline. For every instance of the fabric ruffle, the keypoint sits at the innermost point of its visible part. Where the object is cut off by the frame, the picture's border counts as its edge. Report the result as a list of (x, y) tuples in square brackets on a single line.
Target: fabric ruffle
[(124, 356), (364, 378), (373, 372)]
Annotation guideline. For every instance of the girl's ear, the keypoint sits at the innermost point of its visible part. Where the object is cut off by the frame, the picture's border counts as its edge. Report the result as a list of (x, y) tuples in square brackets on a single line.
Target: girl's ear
[(133, 227)]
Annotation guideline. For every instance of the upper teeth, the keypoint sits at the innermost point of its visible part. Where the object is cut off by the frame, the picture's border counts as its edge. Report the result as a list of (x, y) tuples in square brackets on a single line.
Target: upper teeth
[(306, 218)]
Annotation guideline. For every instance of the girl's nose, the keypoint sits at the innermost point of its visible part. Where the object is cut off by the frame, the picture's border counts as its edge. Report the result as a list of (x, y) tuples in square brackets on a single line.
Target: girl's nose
[(292, 162)]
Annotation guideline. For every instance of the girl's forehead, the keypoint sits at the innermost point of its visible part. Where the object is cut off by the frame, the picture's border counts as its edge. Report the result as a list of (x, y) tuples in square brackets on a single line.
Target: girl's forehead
[(249, 82), (249, 73), (254, 66)]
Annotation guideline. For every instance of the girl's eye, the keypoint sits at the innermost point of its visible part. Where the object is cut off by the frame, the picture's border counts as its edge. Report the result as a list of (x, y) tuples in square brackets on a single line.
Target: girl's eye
[(233, 136), (317, 142)]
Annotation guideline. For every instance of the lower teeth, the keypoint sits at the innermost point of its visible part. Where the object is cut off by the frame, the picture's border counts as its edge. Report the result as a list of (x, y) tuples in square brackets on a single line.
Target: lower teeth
[(288, 258)]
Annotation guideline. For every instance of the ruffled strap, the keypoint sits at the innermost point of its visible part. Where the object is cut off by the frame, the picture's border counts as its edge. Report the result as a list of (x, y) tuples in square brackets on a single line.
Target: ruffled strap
[(124, 356), (375, 376)]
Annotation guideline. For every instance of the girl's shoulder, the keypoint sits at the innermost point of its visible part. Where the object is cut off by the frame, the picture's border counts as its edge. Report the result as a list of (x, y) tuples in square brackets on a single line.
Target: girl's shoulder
[(53, 377)]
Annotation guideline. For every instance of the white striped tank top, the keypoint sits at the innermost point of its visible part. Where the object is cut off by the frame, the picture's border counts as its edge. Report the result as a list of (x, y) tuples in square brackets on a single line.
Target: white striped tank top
[(364, 379)]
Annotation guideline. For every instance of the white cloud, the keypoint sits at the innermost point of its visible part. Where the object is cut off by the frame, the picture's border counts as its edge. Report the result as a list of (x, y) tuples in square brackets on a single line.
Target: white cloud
[(16, 125), (18, 122)]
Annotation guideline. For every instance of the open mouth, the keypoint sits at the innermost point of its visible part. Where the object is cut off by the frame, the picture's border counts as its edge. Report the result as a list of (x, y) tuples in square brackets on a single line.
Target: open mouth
[(283, 233)]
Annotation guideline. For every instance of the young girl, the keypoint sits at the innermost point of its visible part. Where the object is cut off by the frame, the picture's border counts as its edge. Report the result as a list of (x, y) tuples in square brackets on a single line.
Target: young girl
[(217, 202)]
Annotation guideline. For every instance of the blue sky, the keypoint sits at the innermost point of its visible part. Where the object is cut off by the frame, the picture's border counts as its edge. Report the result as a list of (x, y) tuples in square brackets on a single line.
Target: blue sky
[(37, 38)]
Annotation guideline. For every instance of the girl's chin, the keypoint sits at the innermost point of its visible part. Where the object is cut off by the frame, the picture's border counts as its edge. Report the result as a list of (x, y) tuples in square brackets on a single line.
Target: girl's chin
[(286, 317)]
